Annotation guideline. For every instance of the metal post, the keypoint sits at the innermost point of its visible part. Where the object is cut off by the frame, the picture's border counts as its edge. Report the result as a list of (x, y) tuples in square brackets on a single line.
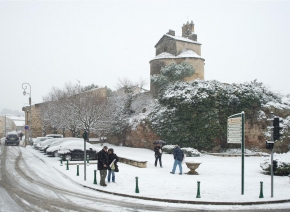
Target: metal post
[(78, 170), (67, 168), (95, 177), (85, 161), (243, 151), (261, 190), (24, 86), (272, 173), (5, 127), (137, 187), (198, 190)]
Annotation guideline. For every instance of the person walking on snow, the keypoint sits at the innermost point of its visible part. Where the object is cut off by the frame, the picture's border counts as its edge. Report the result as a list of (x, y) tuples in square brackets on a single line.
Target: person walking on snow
[(113, 159), (178, 157), (103, 164), (158, 154)]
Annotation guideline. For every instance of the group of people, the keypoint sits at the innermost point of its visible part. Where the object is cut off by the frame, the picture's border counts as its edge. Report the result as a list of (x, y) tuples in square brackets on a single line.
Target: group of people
[(178, 156), (107, 161)]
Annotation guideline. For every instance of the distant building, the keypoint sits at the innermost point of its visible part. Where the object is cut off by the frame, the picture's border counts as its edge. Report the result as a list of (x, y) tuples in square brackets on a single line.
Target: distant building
[(134, 89), (12, 123), (174, 49)]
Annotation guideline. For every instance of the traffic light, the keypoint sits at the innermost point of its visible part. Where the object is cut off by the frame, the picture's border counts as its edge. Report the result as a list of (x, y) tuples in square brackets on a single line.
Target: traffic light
[(85, 135), (275, 165), (276, 128), (269, 145)]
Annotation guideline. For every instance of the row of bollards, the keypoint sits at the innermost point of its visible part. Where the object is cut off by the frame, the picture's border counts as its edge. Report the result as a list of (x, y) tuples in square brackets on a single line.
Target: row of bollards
[(137, 187)]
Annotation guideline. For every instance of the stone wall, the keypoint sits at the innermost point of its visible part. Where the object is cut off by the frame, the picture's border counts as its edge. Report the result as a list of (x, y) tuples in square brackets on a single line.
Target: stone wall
[(142, 137)]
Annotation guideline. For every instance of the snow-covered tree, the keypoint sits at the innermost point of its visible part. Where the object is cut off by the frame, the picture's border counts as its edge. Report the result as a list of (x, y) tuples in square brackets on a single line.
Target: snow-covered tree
[(194, 114)]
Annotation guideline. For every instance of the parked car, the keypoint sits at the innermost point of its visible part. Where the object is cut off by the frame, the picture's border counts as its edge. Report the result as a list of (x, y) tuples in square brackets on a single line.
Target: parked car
[(12, 139), (54, 147), (74, 150), (38, 140), (53, 142), (54, 135), (45, 144)]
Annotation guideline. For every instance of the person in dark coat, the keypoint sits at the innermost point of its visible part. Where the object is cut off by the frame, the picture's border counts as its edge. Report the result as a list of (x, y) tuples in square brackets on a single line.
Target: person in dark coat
[(103, 164), (20, 135), (158, 154), (113, 159), (178, 157)]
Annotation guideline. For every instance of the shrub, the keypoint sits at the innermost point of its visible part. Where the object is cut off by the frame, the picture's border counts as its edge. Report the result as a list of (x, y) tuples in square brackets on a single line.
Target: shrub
[(283, 168), (188, 152)]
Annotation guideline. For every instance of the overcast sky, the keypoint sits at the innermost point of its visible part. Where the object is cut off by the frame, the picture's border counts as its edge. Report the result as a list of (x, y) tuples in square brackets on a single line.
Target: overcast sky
[(48, 44)]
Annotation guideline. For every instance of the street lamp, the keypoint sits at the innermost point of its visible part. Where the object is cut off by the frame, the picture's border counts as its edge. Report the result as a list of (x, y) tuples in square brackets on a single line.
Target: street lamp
[(24, 86)]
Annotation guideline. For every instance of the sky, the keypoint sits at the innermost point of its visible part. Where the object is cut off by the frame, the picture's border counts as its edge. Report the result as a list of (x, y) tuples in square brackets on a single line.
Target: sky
[(50, 43)]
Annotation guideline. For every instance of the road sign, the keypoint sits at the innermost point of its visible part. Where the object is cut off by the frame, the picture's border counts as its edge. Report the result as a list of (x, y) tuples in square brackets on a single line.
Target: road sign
[(26, 127), (236, 131), (235, 134)]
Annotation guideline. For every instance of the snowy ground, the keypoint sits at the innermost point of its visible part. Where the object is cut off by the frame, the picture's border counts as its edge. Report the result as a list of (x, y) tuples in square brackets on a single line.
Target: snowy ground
[(220, 178)]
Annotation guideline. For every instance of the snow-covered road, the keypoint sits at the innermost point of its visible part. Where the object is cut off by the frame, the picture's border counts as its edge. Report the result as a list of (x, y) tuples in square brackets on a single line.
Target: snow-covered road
[(31, 181)]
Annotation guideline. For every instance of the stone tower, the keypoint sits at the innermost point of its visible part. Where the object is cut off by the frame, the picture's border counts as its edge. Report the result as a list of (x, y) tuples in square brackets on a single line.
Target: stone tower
[(174, 49)]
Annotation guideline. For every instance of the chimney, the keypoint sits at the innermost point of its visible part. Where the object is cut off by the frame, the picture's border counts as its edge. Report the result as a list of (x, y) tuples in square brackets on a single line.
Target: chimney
[(187, 29), (171, 32)]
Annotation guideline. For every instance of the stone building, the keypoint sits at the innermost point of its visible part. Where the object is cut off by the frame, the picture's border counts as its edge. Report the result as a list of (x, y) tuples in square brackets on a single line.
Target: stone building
[(35, 120), (174, 49)]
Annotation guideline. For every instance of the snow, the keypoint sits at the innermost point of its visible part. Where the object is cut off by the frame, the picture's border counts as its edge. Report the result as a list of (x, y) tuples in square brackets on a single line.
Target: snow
[(220, 178), (182, 39), (164, 55), (187, 53)]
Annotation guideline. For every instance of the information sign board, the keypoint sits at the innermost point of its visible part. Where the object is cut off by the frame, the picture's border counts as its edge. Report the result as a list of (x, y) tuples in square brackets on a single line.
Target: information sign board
[(235, 134)]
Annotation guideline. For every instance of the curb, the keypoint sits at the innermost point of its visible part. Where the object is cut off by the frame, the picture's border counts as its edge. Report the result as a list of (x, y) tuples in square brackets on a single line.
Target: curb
[(187, 201), (170, 200)]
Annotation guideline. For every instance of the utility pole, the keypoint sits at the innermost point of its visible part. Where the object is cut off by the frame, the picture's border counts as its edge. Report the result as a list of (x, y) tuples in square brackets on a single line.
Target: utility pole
[(5, 126), (272, 174)]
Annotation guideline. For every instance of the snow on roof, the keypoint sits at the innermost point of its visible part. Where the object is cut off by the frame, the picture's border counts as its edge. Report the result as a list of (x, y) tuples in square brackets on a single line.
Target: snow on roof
[(15, 118), (19, 123), (177, 38), (164, 55), (187, 53)]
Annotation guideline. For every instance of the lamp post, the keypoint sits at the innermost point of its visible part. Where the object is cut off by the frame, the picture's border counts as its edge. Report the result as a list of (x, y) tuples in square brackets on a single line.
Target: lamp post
[(24, 86)]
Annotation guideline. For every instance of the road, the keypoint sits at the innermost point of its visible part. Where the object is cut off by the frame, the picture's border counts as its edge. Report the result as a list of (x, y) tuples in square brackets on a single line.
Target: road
[(22, 188)]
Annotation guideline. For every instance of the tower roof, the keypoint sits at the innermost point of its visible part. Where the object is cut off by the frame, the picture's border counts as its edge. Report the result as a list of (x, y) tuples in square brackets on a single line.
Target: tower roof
[(177, 38), (186, 54)]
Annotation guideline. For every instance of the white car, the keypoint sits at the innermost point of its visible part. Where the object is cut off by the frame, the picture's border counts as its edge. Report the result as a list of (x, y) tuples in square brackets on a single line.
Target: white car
[(45, 144), (54, 147), (38, 140), (54, 135), (74, 150)]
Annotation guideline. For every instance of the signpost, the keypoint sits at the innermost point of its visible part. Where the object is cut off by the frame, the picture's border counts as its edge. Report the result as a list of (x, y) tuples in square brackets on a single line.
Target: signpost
[(236, 135), (85, 137)]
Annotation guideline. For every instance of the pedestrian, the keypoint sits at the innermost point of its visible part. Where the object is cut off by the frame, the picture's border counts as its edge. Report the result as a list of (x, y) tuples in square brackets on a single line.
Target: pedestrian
[(158, 154), (178, 157), (113, 159), (20, 135), (103, 164)]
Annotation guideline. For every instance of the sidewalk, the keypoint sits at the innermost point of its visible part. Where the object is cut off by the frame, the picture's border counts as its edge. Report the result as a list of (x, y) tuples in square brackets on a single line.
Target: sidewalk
[(220, 179)]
